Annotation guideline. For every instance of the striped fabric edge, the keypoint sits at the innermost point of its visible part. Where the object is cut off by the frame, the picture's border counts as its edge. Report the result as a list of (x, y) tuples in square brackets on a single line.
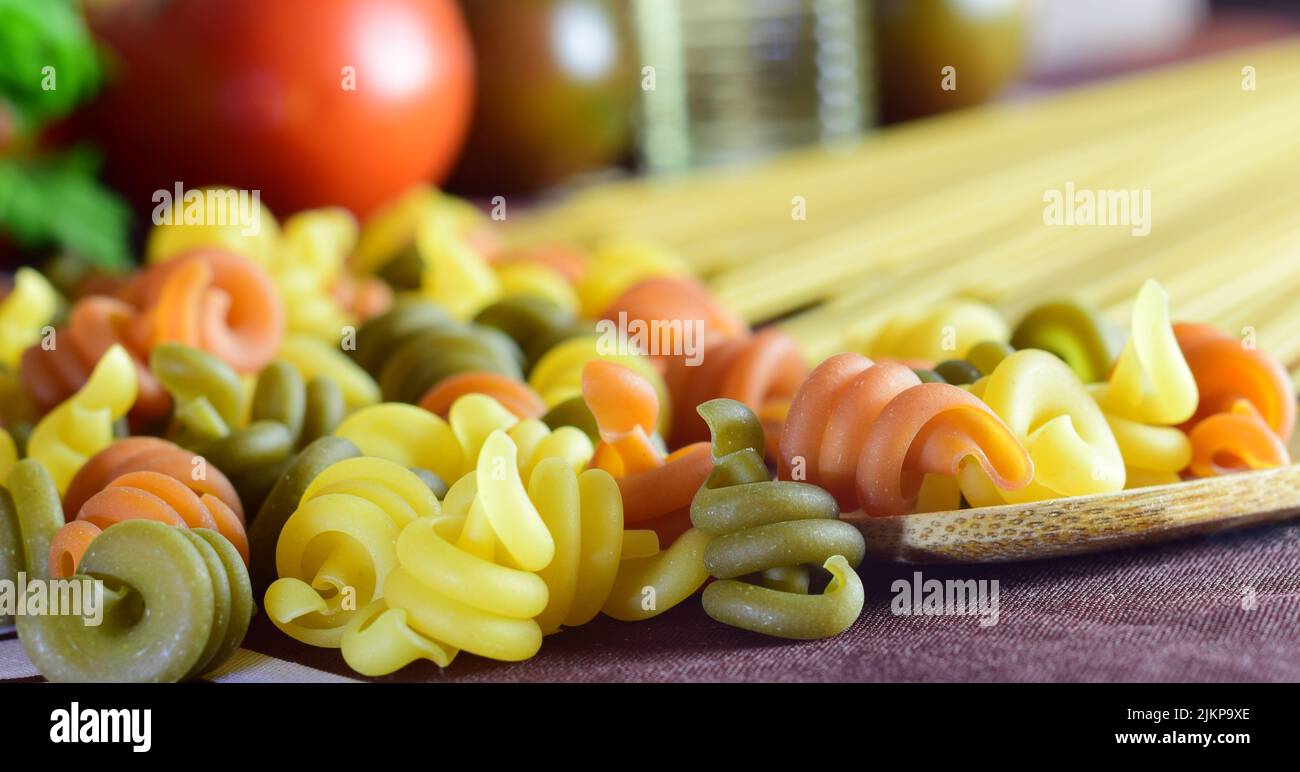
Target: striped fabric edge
[(244, 667)]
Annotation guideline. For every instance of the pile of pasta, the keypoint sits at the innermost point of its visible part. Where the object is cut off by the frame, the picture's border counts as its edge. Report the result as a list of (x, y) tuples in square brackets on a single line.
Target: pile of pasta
[(408, 440), (1090, 409)]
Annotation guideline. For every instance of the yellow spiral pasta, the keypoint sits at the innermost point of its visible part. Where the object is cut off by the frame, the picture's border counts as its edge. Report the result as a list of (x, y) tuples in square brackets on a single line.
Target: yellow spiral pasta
[(453, 246), (617, 265), (1050, 411), (468, 579), (339, 546), (408, 435), (391, 229), (455, 276), (473, 418), (394, 228), (584, 514), (1150, 391), (531, 279), (505, 564), (24, 312), (1151, 381), (946, 331), (305, 257), (435, 246), (581, 284), (310, 258), (415, 437), (82, 425), (537, 441), (8, 453), (175, 238)]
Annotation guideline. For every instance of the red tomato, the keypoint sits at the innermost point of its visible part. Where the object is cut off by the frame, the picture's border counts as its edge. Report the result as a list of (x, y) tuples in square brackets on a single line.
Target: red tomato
[(313, 102)]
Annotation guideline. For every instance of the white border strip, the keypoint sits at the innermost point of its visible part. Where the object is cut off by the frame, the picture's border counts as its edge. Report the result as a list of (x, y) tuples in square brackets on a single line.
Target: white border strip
[(249, 667)]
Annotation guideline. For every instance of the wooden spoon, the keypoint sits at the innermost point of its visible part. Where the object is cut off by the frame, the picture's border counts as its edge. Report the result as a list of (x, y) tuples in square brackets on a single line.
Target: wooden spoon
[(1083, 524)]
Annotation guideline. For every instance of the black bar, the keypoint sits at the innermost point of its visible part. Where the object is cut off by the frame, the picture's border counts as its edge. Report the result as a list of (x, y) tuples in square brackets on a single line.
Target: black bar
[(1052, 723)]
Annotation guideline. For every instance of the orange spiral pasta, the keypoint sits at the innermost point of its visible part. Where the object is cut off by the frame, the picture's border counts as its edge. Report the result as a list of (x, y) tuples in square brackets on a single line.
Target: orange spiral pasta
[(515, 396), (212, 300), (676, 297), (869, 432), (147, 479), (1246, 413), (657, 489), (95, 323), (760, 370), (1235, 441), (1226, 371), (363, 297), (551, 271), (568, 261), (148, 454), (143, 496), (209, 299)]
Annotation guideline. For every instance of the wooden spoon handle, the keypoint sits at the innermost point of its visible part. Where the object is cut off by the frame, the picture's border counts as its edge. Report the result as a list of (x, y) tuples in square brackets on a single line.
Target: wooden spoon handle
[(1083, 524)]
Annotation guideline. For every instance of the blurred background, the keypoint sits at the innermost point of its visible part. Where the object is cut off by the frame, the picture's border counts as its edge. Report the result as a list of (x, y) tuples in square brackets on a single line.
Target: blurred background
[(352, 102)]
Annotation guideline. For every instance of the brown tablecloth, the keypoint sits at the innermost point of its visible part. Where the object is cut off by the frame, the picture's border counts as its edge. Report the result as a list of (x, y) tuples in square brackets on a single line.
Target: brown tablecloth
[(1180, 611), (1214, 608)]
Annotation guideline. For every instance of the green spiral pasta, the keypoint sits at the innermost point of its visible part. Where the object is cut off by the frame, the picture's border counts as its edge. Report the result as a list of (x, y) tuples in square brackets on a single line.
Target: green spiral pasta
[(957, 372), (207, 395), (280, 396), (207, 418), (325, 409), (573, 412), (378, 337), (253, 457), (174, 616), (11, 559), (986, 355), (765, 530), (535, 324), (980, 361), (1072, 332), (405, 271), (415, 345), (283, 499), (25, 534)]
